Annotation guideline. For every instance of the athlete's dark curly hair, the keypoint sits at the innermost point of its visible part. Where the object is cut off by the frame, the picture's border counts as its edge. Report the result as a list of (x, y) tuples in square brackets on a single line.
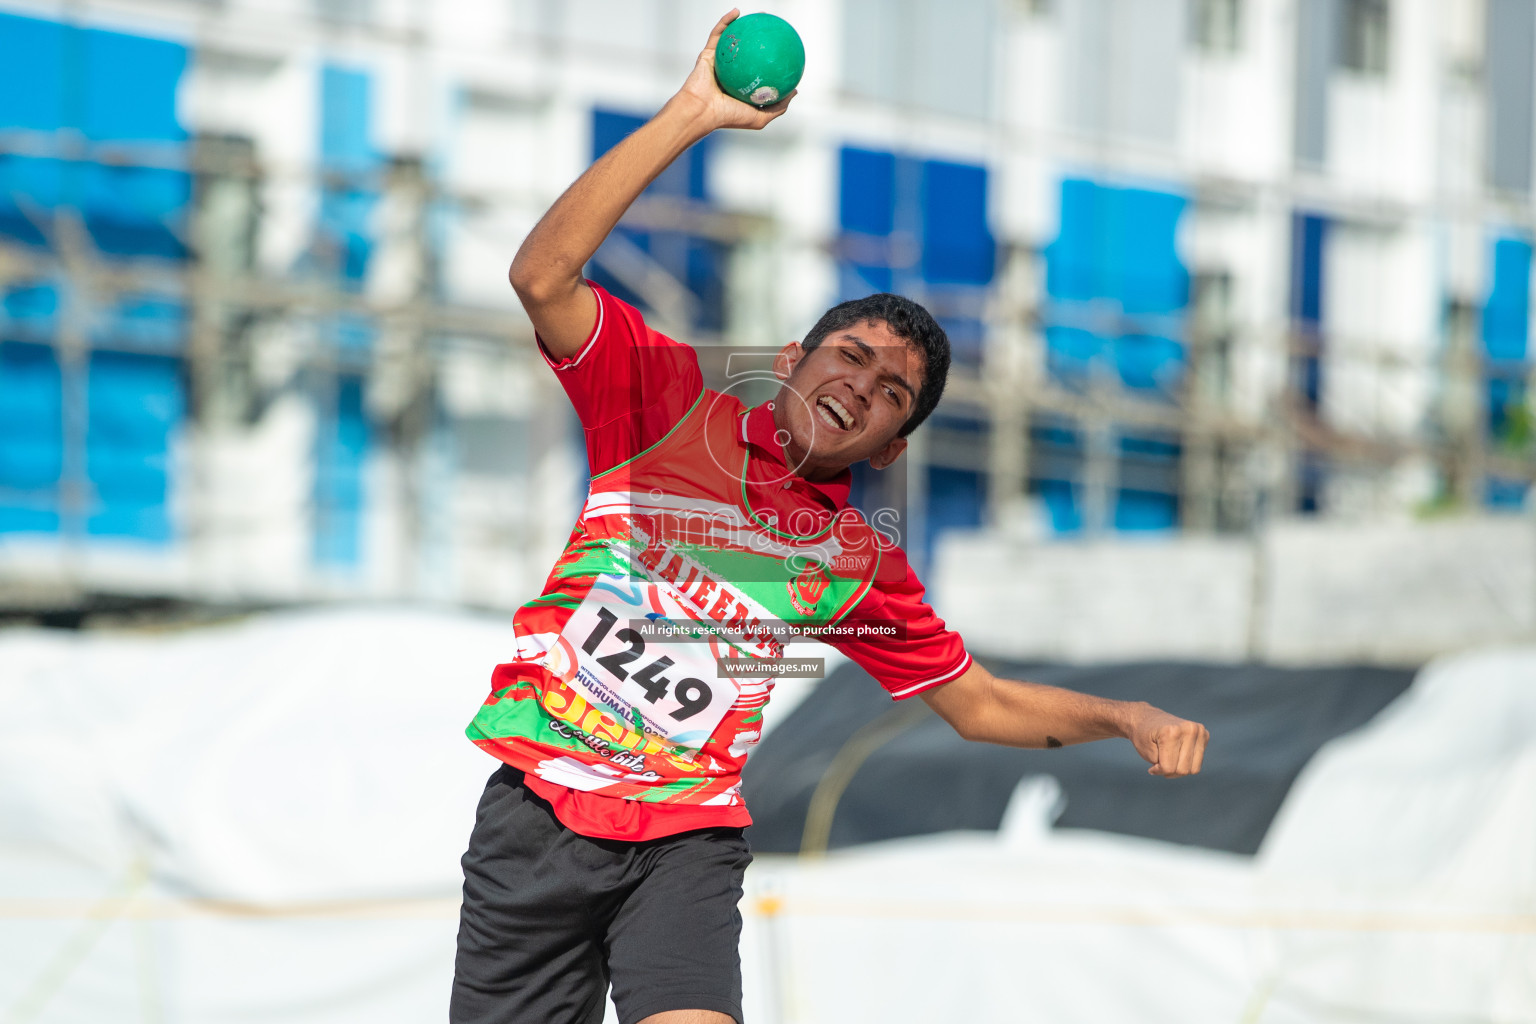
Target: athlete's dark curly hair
[(905, 319)]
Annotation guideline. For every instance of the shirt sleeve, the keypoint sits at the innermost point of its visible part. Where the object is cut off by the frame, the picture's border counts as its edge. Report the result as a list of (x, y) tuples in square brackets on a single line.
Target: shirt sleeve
[(922, 652), (629, 384)]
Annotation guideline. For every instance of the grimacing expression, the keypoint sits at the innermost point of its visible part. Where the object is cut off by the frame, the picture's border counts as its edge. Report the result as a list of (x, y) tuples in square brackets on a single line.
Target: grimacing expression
[(847, 399)]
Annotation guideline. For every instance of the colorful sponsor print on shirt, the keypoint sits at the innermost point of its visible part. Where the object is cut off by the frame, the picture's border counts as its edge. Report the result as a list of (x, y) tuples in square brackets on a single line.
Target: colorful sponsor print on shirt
[(600, 697)]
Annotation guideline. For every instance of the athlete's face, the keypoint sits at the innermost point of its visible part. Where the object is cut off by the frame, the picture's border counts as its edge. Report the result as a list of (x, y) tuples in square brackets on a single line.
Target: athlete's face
[(847, 399)]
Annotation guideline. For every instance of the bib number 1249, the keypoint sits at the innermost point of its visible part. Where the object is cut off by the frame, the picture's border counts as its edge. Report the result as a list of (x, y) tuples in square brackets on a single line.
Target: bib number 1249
[(672, 690), (692, 695)]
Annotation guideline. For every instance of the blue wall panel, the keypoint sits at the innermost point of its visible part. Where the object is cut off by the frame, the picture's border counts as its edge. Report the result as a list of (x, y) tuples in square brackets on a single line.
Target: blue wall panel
[(1075, 262), (887, 204), (1141, 511), (133, 211), (1309, 236), (110, 87), (958, 247), (1118, 244), (129, 87), (1149, 362), (341, 451), (346, 233), (866, 205), (30, 311), (1147, 498), (1056, 462), (942, 204), (31, 437), (31, 410), (1309, 231), (344, 251), (136, 406), (699, 263), (32, 87), (1506, 343), (31, 188), (144, 322), (1116, 249), (1071, 351), (1506, 331), (866, 192), (1507, 313), (1063, 504), (32, 98), (1152, 278), (956, 500), (1507, 495), (1117, 292), (345, 120), (345, 230)]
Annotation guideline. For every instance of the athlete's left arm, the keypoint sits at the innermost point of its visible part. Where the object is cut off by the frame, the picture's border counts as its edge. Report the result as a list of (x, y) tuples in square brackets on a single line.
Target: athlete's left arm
[(982, 707)]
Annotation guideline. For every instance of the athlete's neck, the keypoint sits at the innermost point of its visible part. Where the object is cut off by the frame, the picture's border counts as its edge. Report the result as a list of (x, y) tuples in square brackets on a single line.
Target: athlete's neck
[(796, 457)]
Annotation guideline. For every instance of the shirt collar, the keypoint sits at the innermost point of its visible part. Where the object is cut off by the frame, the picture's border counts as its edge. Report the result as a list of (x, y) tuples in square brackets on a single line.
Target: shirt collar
[(759, 431)]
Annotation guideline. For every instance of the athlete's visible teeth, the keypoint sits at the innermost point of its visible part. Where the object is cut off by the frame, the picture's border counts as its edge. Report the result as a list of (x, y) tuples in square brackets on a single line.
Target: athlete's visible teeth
[(839, 416)]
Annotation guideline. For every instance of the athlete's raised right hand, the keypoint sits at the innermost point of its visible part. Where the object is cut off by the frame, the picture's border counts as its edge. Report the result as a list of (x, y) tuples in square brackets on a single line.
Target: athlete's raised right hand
[(547, 271), (714, 106)]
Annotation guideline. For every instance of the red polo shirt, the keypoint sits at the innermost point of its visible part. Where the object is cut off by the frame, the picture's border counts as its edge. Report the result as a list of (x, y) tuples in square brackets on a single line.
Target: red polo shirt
[(629, 386)]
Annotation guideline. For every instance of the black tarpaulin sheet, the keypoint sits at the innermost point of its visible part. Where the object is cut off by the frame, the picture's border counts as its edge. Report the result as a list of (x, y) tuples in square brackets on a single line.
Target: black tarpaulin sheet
[(1265, 724)]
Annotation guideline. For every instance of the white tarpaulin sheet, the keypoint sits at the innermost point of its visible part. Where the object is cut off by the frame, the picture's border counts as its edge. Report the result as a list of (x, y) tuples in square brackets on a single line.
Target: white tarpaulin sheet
[(262, 822), (255, 822), (1397, 884)]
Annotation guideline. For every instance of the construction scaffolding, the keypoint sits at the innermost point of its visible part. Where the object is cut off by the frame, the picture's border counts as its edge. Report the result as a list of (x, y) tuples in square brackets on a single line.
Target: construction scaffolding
[(359, 362)]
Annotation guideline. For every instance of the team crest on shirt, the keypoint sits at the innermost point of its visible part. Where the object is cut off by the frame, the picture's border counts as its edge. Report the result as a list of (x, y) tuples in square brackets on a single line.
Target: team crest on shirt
[(805, 590)]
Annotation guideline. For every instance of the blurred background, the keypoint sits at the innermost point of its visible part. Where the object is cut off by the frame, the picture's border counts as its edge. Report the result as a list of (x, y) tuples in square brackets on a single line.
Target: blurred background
[(1240, 420)]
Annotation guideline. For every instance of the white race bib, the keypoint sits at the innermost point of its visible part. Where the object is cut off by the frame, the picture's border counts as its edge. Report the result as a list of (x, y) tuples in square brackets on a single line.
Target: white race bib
[(668, 687)]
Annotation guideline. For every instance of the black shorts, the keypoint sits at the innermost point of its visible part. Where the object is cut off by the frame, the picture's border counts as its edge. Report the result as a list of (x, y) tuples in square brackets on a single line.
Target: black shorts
[(551, 917)]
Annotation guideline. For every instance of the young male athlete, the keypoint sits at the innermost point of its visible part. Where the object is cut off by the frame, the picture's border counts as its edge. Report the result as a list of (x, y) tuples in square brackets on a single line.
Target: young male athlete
[(608, 847)]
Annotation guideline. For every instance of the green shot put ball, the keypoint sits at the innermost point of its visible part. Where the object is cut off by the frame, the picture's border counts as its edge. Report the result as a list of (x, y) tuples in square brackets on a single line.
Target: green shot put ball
[(759, 59)]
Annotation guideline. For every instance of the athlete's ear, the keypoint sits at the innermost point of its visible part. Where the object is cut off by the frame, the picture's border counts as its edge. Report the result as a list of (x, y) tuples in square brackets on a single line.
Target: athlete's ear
[(789, 356), (888, 455)]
